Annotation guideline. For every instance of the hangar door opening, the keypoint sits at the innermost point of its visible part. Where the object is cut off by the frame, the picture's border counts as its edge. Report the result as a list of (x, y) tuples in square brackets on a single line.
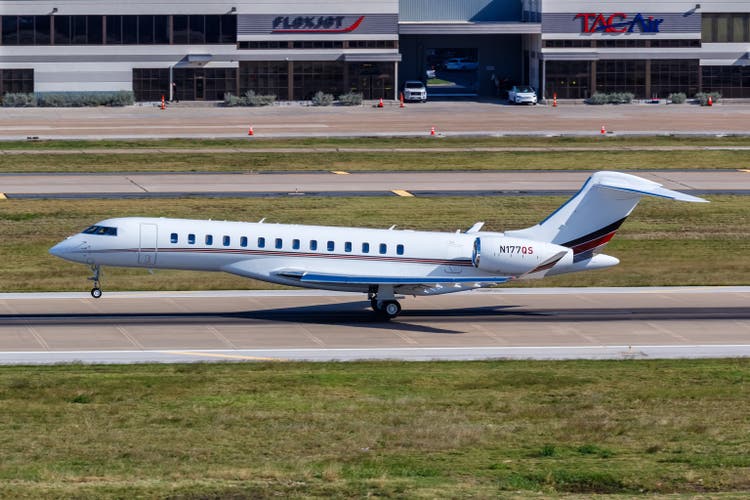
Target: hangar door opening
[(452, 72)]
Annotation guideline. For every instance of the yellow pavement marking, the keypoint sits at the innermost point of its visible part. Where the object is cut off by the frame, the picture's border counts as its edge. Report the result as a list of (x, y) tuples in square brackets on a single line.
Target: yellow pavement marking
[(402, 192), (339, 172), (744, 170), (3, 197), (223, 356)]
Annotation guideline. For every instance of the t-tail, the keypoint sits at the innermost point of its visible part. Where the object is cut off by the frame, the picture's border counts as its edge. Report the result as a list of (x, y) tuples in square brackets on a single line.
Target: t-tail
[(590, 219)]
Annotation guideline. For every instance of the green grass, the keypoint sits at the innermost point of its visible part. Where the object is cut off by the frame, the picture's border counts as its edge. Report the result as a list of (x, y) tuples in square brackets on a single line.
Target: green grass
[(662, 243), (427, 430), (159, 161)]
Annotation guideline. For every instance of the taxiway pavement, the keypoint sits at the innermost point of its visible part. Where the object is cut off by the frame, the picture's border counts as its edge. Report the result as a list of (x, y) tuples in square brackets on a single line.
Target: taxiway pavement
[(357, 183), (591, 323)]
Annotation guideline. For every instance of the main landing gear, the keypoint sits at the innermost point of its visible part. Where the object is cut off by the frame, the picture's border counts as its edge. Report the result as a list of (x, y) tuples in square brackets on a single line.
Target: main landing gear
[(383, 302), (96, 292)]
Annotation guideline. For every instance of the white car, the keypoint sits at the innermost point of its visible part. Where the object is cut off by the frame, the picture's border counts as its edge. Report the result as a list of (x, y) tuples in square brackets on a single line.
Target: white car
[(414, 90), (460, 64), (522, 94)]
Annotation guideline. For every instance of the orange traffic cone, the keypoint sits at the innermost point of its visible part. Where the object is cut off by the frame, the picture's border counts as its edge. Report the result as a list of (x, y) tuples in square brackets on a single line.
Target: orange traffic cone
[(554, 100), (163, 106), (402, 100), (710, 101), (250, 132), (432, 131), (604, 130), (380, 104)]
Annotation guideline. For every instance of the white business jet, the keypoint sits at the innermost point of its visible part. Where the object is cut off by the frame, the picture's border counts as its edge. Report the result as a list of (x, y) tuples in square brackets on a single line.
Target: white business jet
[(380, 263)]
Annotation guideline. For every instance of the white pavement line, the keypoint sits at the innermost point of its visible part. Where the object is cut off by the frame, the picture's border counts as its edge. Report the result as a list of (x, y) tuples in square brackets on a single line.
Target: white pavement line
[(130, 338), (37, 337)]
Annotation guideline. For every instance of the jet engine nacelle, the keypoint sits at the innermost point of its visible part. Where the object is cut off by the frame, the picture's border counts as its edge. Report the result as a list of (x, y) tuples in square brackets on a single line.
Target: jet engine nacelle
[(514, 256)]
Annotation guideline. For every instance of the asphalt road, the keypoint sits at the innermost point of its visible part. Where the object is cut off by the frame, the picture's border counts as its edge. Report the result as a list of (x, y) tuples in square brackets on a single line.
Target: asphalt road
[(591, 323), (328, 183)]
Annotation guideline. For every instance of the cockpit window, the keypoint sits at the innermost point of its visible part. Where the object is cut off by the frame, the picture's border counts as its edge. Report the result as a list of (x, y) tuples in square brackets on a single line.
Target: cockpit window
[(101, 230)]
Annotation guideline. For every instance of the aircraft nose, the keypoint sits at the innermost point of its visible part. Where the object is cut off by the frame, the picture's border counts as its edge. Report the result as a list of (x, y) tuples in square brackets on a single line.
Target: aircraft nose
[(60, 250), (69, 249)]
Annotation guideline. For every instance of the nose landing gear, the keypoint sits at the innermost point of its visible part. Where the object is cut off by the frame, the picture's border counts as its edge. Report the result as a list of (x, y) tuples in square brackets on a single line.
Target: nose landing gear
[(96, 292)]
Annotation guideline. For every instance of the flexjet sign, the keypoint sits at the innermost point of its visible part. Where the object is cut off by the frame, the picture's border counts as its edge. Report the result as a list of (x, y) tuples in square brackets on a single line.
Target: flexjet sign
[(618, 23), (315, 24)]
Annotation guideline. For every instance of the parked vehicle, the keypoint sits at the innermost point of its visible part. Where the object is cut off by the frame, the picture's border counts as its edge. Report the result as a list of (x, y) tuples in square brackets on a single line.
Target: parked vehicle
[(415, 90), (460, 64), (522, 94)]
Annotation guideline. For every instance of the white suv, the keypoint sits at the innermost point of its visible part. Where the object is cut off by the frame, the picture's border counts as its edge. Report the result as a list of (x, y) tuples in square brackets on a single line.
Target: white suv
[(415, 90)]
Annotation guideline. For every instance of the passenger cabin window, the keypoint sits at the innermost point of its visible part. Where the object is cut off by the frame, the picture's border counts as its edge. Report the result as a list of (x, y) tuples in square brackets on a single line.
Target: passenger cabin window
[(365, 248), (243, 241), (101, 230), (399, 249), (295, 244), (209, 239), (261, 242), (348, 246), (279, 243), (227, 241), (173, 238), (191, 239), (383, 248), (331, 246), (313, 245)]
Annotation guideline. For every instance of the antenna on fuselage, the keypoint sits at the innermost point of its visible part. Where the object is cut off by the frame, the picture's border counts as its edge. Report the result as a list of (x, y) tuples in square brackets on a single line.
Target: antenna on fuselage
[(392, 227), (262, 220)]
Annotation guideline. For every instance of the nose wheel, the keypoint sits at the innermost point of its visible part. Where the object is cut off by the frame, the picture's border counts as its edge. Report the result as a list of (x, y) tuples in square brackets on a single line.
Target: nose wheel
[(96, 292)]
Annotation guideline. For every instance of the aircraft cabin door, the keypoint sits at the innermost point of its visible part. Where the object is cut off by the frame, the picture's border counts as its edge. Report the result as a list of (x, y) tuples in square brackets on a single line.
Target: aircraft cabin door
[(147, 246)]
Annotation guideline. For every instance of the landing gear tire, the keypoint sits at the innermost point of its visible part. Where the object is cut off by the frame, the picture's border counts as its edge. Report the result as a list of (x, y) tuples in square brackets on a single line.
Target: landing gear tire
[(389, 309), (96, 292)]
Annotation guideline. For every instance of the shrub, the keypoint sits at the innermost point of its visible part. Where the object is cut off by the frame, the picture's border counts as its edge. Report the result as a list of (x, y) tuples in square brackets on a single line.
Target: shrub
[(82, 99), (702, 97), (254, 99), (322, 99), (350, 99), (611, 98), (231, 100), (598, 98), (19, 100), (677, 97)]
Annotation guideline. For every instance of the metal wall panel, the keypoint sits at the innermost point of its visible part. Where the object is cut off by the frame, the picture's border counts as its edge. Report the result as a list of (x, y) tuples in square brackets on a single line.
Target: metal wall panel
[(460, 10), (317, 25)]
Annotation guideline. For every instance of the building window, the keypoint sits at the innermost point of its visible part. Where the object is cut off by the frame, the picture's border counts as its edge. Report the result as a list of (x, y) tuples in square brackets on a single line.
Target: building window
[(312, 76), (14, 81), (261, 242), (243, 241), (204, 83), (226, 241), (568, 79), (730, 81), (671, 76), (78, 30), (621, 76), (173, 238), (725, 28), (265, 77), (191, 239), (150, 84)]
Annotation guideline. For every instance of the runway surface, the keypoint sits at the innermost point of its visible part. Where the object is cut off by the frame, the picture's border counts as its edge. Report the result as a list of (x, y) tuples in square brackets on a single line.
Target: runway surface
[(329, 183), (608, 323)]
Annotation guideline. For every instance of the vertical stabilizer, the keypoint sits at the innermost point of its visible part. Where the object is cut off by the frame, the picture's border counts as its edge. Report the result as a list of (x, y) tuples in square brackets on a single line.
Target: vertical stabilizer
[(587, 221)]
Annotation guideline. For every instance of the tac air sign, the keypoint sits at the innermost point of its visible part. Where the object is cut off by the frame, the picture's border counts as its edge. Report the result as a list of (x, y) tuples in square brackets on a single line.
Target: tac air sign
[(618, 22)]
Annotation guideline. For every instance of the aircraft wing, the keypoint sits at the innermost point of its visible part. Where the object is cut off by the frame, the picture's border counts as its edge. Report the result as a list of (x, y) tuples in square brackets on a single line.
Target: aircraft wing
[(350, 279)]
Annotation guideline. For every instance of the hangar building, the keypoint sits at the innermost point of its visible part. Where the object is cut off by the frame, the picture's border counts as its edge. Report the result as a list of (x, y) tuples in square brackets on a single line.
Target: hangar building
[(294, 48)]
